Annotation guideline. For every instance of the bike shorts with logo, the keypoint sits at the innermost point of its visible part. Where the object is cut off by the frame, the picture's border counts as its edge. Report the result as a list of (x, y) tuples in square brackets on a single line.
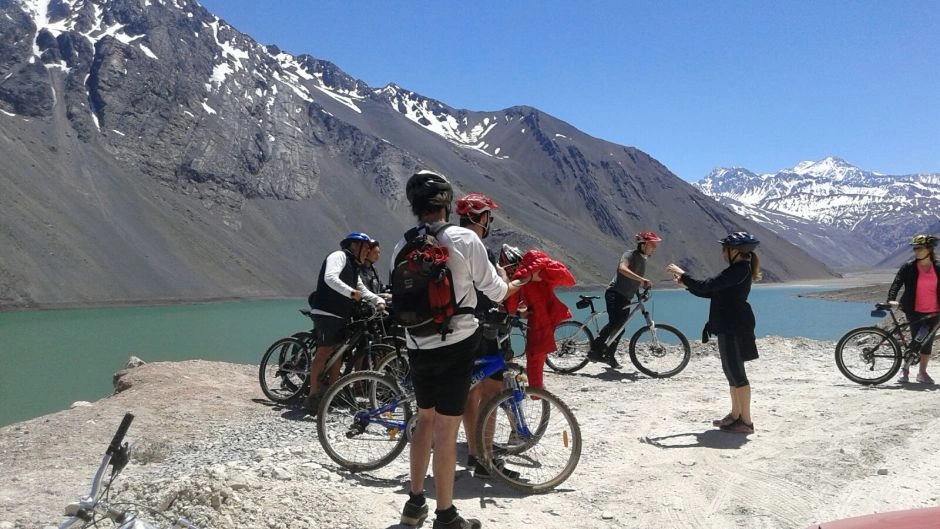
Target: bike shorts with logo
[(441, 376), (331, 330)]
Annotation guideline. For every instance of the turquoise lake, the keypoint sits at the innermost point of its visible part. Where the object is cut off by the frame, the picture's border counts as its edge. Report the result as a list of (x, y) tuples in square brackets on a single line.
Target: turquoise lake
[(53, 358)]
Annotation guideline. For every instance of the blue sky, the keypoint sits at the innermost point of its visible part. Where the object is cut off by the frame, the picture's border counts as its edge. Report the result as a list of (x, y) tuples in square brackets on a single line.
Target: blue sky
[(697, 85)]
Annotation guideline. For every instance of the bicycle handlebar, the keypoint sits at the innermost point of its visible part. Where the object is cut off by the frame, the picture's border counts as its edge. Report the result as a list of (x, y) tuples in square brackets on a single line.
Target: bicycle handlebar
[(120, 433)]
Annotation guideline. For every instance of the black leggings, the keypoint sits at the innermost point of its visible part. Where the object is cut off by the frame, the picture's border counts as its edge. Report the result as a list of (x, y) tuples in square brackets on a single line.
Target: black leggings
[(730, 348), (618, 308)]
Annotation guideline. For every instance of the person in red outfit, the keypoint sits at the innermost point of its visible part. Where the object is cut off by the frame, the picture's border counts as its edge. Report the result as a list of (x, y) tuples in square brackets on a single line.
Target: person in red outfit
[(543, 310)]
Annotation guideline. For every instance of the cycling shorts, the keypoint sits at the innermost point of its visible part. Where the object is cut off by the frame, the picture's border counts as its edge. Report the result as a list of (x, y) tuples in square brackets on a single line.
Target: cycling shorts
[(441, 376), (330, 330)]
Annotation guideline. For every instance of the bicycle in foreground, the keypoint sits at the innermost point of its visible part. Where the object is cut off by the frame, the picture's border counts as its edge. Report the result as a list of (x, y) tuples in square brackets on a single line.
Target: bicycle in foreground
[(366, 418), (872, 355), (97, 506), (656, 349)]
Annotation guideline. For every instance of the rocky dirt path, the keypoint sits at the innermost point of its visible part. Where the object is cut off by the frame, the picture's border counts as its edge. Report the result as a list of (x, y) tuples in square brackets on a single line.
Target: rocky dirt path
[(824, 448)]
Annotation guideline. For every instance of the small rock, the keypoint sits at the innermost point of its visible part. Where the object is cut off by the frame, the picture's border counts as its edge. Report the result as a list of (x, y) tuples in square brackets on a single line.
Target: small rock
[(882, 471), (606, 515), (133, 362), (80, 404), (282, 474)]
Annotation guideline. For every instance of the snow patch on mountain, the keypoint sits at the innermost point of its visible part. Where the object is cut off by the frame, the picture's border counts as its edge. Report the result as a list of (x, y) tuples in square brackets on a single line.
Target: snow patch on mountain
[(832, 193), (440, 119)]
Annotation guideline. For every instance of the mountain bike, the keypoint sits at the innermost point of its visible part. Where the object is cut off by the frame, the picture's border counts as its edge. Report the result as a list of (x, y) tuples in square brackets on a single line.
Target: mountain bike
[(97, 506), (366, 419), (656, 349), (285, 366), (872, 355)]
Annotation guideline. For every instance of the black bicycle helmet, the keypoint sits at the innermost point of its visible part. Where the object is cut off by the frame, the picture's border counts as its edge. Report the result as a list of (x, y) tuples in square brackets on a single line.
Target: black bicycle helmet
[(924, 240), (740, 240), (428, 188), (509, 258)]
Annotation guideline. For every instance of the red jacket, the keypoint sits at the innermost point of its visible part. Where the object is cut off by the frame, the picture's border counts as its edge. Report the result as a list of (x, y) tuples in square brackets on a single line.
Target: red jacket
[(546, 311)]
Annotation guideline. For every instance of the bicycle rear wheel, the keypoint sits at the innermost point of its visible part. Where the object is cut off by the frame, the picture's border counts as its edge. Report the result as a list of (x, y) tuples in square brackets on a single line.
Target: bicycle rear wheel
[(543, 426), (572, 344), (361, 421), (284, 370), (868, 356), (659, 354)]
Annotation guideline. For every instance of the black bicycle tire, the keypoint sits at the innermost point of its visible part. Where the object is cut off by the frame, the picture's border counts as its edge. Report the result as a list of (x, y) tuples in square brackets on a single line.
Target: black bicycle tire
[(487, 457), (561, 348), (660, 327), (309, 338), (888, 375), (399, 439), (273, 349)]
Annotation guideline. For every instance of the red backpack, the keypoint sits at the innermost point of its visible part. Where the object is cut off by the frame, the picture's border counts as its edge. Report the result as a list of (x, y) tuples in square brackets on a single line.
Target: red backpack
[(423, 298)]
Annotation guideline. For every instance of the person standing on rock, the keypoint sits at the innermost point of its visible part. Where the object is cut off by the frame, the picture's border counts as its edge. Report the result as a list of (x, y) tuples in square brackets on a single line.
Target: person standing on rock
[(442, 362), (920, 300), (731, 318), (339, 287)]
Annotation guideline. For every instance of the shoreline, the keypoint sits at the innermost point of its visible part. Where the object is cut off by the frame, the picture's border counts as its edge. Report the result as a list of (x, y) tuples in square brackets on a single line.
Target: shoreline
[(847, 281)]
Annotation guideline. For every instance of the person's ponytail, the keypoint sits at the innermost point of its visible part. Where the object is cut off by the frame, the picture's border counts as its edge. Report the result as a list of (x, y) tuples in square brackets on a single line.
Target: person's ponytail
[(756, 274)]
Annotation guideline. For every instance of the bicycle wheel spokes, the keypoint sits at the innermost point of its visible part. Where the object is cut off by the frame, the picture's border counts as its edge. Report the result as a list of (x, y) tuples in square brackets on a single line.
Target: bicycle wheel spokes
[(572, 343), (361, 421), (540, 439), (867, 355), (659, 353), (284, 370)]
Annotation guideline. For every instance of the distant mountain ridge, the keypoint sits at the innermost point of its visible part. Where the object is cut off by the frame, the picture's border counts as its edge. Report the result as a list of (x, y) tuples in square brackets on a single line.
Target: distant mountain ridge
[(152, 151), (849, 216)]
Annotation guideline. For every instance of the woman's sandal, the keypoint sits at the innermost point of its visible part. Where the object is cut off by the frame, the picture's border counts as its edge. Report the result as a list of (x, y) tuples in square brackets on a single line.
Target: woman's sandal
[(738, 426), (727, 420)]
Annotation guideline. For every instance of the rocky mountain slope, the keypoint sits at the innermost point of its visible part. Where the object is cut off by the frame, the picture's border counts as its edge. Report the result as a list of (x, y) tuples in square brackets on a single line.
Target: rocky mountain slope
[(153, 152), (840, 213)]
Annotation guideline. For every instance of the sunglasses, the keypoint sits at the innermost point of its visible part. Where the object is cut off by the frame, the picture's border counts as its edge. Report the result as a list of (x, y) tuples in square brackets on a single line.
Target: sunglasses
[(920, 247)]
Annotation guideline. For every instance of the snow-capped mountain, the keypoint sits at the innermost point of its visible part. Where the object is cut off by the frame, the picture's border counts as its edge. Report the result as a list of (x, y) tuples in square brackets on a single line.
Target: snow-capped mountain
[(861, 216), (150, 150)]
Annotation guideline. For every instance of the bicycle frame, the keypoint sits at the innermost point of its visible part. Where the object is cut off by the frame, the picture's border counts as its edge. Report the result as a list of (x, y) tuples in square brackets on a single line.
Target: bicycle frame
[(484, 368), (86, 508), (638, 306), (363, 335), (909, 348)]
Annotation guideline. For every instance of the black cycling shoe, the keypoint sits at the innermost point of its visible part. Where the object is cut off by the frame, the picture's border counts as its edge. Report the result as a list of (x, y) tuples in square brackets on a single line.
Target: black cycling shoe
[(596, 356), (480, 471), (457, 523), (612, 361), (414, 515)]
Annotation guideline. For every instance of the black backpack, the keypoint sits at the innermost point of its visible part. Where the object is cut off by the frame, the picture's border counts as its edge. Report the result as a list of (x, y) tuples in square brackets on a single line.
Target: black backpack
[(423, 299)]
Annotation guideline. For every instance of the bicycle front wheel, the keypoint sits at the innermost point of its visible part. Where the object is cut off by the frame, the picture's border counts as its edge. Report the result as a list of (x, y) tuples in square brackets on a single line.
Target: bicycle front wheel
[(542, 425), (362, 419), (572, 344), (284, 370), (661, 352), (868, 356)]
